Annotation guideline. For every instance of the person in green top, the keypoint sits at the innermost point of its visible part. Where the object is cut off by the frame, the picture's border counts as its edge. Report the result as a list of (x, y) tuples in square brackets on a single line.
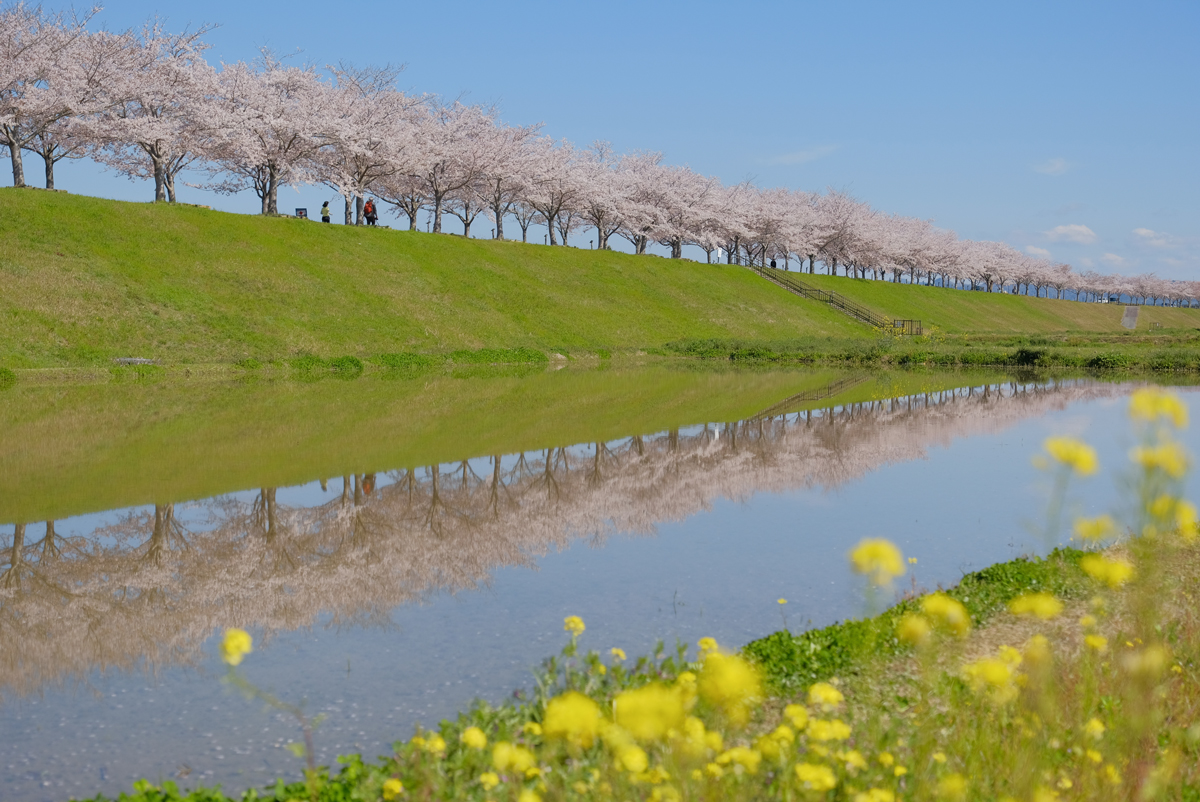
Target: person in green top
[(325, 212)]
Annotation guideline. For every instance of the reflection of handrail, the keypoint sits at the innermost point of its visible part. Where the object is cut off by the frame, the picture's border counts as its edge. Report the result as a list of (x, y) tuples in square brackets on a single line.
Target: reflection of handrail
[(828, 391), (789, 282)]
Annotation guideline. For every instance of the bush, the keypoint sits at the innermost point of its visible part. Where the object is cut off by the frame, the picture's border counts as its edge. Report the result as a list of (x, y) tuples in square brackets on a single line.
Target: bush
[(407, 360), (1112, 360), (498, 356), (348, 365), (7, 378), (1029, 357), (307, 363)]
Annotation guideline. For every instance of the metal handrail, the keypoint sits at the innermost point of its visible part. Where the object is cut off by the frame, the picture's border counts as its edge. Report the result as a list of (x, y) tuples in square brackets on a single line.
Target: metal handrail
[(790, 282)]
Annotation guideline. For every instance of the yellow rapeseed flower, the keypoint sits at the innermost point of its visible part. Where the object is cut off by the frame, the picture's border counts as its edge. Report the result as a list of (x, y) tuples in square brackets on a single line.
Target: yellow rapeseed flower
[(573, 717), (952, 786), (913, 629), (878, 559), (995, 675), (1087, 621), (1098, 643), (815, 778), (947, 612), (1152, 403), (834, 730), (509, 757), (1148, 663), (574, 625), (235, 645), (489, 780), (532, 728), (885, 759), (1093, 529), (742, 756), (731, 683), (617, 653), (1094, 729), (436, 744), (798, 715), (939, 757), (875, 795), (632, 759), (899, 771), (707, 645), (1078, 456), (1113, 573), (647, 713), (1037, 651), (853, 759), (1036, 605), (392, 788), (474, 738), (1112, 775), (782, 601), (825, 696), (1170, 458), (528, 795)]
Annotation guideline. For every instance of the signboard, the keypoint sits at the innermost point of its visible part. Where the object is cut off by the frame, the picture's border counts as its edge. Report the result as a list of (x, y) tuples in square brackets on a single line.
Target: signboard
[(302, 214)]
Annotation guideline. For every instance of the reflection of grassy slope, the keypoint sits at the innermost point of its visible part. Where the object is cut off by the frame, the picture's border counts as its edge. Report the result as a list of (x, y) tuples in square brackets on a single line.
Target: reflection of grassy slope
[(86, 280), (962, 311), (68, 450)]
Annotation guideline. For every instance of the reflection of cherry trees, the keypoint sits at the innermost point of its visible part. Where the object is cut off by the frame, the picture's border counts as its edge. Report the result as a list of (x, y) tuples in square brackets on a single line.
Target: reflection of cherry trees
[(147, 590)]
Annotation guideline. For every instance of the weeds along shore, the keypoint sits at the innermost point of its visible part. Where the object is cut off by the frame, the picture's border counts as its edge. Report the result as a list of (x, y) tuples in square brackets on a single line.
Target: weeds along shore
[(1074, 676)]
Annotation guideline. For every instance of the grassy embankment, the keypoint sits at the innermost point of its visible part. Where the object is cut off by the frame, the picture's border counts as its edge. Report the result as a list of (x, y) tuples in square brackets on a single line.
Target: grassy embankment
[(89, 280), (71, 449)]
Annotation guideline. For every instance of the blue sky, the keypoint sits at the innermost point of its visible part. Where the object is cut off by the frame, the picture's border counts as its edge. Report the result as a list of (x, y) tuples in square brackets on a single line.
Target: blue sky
[(1068, 127)]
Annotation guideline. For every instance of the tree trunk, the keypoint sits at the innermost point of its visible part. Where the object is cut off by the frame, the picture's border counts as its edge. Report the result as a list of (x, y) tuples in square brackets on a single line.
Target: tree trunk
[(349, 210), (524, 233), (160, 182), (272, 190), (466, 227), (412, 221), (18, 167), (499, 222), (358, 210), (437, 213), (550, 225), (49, 171)]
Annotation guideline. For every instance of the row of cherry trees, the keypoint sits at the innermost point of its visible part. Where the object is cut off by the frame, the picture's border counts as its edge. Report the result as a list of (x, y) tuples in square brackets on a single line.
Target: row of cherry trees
[(146, 104)]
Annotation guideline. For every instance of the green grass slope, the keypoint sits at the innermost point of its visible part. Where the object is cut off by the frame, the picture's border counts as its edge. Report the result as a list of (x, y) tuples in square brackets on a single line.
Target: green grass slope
[(86, 280), (959, 311)]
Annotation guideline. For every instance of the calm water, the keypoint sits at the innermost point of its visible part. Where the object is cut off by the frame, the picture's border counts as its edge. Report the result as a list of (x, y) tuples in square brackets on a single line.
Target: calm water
[(396, 596)]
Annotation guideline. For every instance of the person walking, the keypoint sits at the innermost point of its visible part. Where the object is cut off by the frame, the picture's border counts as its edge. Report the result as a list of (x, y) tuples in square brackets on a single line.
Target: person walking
[(369, 212), (325, 212)]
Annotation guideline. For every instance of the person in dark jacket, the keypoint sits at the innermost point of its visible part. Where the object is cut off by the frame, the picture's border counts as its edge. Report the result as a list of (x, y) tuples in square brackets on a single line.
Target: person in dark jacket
[(369, 212)]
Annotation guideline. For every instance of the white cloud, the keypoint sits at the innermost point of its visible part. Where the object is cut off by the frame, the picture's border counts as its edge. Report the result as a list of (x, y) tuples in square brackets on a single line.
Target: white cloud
[(1155, 239), (804, 156), (1072, 233), (1086, 262), (1056, 166), (1112, 259), (1034, 250)]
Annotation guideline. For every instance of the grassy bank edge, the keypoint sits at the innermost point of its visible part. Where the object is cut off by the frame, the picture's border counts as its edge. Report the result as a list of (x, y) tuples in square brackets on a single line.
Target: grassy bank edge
[(790, 662)]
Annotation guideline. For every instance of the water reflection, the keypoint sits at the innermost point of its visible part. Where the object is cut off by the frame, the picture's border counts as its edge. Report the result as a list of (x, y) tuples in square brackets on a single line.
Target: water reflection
[(148, 589)]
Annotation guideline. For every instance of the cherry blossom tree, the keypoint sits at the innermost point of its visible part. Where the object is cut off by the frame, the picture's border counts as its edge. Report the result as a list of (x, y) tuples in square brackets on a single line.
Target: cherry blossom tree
[(36, 77), (267, 124), (152, 124)]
